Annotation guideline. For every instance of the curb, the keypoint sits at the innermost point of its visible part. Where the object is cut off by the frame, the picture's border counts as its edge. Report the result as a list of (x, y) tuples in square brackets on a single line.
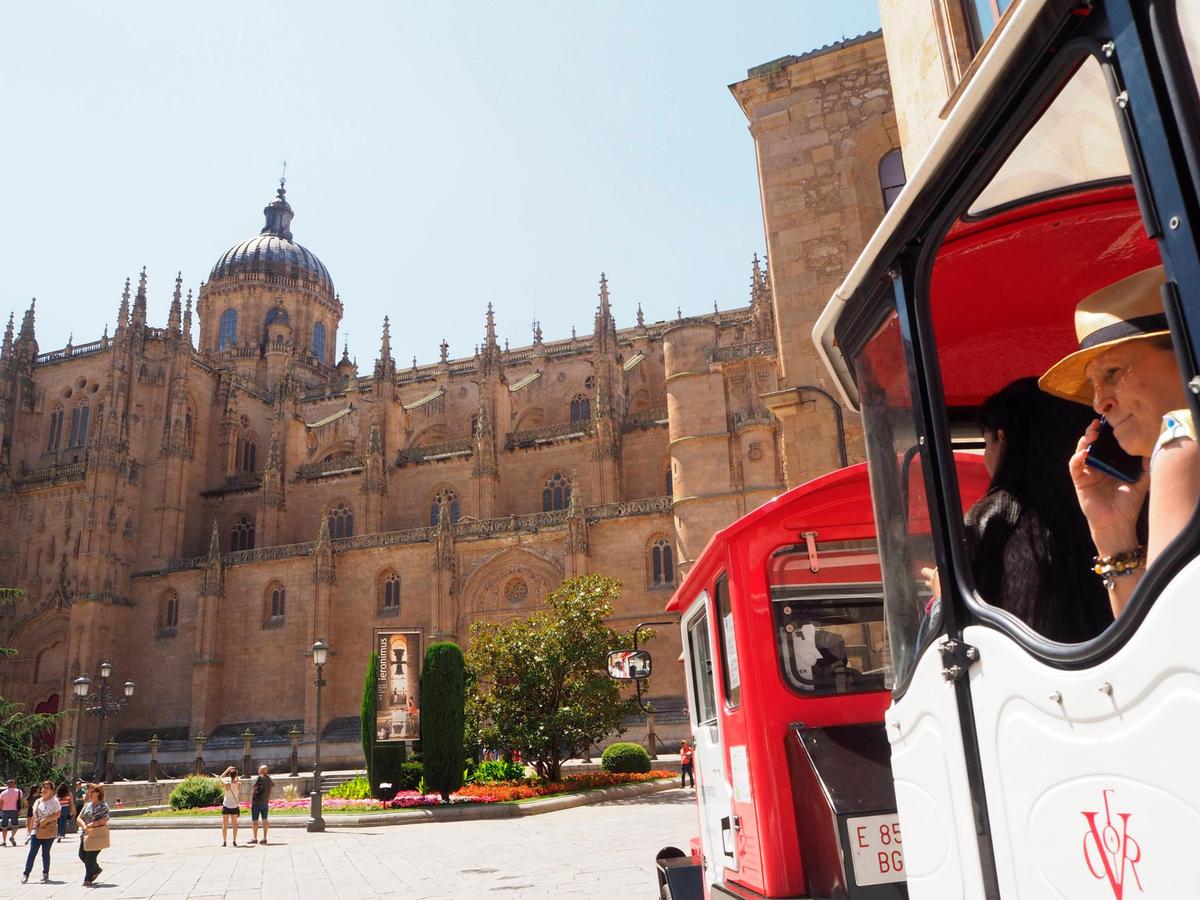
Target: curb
[(464, 813)]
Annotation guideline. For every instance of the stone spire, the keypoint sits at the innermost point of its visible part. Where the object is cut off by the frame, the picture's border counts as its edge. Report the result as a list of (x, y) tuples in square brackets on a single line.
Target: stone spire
[(187, 318), (139, 300), (123, 312), (762, 312), (537, 333), (385, 366), (6, 348), (175, 318), (606, 328), (444, 351), (27, 335), (641, 317)]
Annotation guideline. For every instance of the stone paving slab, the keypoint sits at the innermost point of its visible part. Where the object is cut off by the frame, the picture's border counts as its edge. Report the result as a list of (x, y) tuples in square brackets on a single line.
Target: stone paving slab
[(598, 851)]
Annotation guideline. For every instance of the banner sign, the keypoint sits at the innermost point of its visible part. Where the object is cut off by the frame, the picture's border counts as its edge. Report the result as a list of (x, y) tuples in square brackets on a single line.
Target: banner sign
[(397, 707)]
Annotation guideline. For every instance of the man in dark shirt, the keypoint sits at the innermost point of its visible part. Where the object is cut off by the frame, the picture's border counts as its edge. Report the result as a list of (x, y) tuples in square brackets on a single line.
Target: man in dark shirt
[(260, 803)]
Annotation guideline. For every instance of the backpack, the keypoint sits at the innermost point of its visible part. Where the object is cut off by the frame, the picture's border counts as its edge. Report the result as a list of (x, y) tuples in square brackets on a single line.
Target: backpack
[(259, 787)]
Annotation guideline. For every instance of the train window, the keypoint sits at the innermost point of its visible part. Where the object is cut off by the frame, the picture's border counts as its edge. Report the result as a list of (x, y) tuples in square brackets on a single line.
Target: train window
[(897, 492), (700, 662), (830, 635), (731, 673)]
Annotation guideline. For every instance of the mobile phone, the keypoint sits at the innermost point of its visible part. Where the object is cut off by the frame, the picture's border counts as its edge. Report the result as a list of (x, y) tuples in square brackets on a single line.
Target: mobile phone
[(1106, 455)]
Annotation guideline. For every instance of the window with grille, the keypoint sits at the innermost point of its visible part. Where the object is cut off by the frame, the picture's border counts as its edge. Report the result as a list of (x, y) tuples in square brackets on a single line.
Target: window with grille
[(391, 591), (581, 409), (557, 493), (318, 341), (435, 508), (242, 535), (79, 424), (227, 329), (55, 435), (662, 563), (170, 610), (341, 522)]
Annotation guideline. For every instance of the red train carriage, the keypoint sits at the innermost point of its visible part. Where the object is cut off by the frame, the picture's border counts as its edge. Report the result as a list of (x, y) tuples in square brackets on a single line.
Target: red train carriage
[(786, 656)]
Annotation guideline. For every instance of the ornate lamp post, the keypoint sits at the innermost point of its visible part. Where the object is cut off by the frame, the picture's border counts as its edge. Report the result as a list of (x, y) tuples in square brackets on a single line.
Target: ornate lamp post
[(80, 686), (104, 704), (315, 822)]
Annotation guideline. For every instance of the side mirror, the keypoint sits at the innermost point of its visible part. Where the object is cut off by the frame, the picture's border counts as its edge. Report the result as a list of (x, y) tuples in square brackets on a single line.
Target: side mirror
[(629, 665)]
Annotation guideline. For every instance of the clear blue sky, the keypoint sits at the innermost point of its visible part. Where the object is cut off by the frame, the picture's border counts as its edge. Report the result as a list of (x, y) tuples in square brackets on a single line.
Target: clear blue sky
[(440, 155)]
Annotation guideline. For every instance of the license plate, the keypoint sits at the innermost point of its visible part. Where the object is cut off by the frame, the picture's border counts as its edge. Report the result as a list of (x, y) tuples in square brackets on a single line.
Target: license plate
[(876, 855)]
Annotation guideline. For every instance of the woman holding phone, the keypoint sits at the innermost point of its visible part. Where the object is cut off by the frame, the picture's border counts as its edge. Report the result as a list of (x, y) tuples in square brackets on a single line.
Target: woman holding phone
[(1125, 369), (231, 806)]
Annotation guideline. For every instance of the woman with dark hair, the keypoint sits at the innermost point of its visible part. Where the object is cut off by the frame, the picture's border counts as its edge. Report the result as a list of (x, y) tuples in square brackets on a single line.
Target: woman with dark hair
[(1030, 545), (1028, 541)]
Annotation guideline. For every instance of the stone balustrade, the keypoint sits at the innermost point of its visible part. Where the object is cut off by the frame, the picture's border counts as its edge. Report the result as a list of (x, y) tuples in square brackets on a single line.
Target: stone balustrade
[(744, 351), (646, 419), (338, 465), (547, 434), (52, 475)]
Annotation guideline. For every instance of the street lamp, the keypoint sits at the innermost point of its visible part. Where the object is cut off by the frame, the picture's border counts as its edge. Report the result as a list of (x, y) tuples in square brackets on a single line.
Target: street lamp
[(104, 704), (80, 686), (315, 822)]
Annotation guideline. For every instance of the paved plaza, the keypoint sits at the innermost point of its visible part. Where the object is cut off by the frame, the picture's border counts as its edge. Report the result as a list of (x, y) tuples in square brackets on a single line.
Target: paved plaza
[(600, 851)]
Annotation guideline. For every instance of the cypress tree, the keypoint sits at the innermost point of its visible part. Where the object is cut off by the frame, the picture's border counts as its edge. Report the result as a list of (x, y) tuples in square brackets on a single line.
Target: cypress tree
[(443, 701), (367, 719)]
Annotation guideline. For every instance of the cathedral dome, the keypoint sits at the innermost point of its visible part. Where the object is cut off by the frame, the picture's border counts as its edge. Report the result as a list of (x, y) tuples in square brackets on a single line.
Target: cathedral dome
[(273, 252)]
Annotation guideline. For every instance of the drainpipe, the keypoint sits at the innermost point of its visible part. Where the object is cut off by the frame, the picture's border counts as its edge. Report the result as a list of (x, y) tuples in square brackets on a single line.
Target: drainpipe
[(837, 414)]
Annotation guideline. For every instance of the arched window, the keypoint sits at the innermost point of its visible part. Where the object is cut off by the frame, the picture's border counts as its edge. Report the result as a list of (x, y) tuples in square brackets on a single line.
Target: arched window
[(277, 314), (275, 606), (79, 424), (390, 593), (891, 176), (557, 493), (581, 408), (318, 342), (242, 535), (668, 482), (662, 563), (277, 344), (341, 522), (187, 428), (55, 435), (435, 507), (227, 330), (247, 454), (169, 617)]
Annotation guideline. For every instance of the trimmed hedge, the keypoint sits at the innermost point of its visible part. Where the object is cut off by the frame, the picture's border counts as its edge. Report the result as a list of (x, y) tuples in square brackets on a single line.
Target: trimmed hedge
[(443, 704), (625, 756), (196, 791)]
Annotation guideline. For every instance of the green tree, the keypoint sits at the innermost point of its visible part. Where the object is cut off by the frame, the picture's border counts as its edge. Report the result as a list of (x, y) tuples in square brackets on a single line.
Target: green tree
[(541, 685), (443, 703), (370, 698), (20, 731)]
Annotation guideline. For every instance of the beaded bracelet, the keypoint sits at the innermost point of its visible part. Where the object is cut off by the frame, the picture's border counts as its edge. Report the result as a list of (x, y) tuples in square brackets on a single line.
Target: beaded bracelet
[(1110, 568)]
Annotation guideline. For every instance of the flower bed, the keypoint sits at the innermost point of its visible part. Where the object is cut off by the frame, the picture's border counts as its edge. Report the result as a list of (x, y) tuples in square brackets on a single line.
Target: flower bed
[(501, 792)]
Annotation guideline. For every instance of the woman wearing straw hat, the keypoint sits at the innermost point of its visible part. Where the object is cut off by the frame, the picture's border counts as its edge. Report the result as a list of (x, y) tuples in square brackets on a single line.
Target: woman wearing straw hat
[(1125, 369)]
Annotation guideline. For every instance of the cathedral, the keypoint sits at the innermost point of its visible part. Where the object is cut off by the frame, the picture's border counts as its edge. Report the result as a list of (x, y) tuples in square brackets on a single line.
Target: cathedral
[(197, 502)]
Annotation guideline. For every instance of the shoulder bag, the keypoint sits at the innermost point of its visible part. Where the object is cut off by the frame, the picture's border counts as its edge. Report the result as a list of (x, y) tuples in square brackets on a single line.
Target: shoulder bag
[(96, 838)]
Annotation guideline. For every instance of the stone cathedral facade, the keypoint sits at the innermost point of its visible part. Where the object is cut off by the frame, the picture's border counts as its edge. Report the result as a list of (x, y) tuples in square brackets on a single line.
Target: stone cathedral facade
[(198, 502)]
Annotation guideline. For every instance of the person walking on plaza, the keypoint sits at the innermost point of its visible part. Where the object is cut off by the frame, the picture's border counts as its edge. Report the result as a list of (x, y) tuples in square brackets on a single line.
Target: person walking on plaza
[(231, 806), (10, 812), (260, 803), (43, 829), (686, 765), (93, 823), (67, 809)]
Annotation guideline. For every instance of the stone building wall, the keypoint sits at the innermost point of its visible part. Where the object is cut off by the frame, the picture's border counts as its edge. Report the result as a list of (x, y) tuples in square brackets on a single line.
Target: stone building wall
[(821, 124)]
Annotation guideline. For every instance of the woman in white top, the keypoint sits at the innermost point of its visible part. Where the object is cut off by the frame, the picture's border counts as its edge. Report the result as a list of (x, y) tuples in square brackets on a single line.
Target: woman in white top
[(43, 830), (231, 806)]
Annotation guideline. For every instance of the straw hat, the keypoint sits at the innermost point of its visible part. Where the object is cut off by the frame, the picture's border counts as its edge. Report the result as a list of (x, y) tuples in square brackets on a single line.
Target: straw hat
[(1129, 310)]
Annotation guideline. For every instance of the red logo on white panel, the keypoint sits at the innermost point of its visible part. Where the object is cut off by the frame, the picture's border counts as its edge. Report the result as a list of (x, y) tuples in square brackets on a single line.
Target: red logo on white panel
[(1110, 851)]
